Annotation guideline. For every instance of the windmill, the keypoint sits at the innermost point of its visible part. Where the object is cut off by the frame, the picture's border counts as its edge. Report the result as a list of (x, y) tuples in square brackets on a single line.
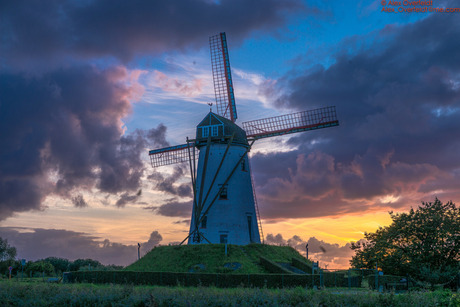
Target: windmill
[(225, 208)]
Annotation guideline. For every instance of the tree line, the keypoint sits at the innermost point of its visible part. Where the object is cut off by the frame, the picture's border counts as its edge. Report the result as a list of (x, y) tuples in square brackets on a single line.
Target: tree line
[(51, 266)]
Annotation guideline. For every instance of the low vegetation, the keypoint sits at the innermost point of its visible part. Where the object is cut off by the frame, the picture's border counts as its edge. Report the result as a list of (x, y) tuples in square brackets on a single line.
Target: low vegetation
[(14, 293)]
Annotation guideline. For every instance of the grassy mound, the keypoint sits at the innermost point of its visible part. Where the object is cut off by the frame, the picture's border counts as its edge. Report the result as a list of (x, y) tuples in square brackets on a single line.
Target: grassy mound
[(211, 258)]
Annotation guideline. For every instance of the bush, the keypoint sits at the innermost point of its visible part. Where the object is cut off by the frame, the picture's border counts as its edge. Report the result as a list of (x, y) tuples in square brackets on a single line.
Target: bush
[(335, 279), (194, 279)]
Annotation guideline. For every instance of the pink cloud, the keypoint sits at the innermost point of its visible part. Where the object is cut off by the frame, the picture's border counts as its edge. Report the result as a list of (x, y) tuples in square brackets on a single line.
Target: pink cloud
[(176, 85)]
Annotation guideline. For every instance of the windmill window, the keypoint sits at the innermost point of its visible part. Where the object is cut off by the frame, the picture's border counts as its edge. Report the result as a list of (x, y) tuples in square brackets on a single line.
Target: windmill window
[(204, 222), (223, 239), (215, 131), (224, 192), (250, 227), (243, 166), (205, 132)]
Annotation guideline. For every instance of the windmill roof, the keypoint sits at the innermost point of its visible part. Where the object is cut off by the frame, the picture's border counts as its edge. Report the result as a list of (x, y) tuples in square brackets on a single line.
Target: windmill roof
[(230, 127)]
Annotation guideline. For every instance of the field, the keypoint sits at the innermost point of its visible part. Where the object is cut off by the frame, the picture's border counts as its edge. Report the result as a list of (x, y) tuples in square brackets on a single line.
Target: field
[(26, 293)]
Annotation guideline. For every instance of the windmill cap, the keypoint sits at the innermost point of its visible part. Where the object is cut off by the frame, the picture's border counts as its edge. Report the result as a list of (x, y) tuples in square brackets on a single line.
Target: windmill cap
[(220, 129)]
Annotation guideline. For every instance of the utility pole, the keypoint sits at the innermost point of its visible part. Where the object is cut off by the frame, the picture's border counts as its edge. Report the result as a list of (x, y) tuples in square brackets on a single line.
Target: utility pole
[(306, 247), (138, 251)]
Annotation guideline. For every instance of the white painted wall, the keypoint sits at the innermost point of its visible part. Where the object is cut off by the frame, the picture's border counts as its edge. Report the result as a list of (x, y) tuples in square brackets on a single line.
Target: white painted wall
[(227, 216)]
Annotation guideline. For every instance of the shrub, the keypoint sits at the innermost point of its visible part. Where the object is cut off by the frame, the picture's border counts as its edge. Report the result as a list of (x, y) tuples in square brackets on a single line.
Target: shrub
[(194, 279), (335, 279)]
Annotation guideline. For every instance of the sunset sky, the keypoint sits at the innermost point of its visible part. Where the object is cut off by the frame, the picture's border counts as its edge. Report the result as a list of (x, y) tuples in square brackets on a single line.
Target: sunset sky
[(88, 87)]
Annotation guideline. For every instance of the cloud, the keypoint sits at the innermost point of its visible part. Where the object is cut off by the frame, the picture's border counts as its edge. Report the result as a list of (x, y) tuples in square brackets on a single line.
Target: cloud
[(175, 85), (63, 29), (398, 105), (38, 243), (168, 184), (154, 239), (79, 202), (64, 133), (126, 198), (173, 208), (332, 255), (157, 136), (184, 222)]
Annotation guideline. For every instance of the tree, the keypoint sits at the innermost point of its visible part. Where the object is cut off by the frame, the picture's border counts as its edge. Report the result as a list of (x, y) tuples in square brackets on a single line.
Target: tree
[(39, 267), (59, 264), (84, 264), (7, 255), (424, 244), (7, 252)]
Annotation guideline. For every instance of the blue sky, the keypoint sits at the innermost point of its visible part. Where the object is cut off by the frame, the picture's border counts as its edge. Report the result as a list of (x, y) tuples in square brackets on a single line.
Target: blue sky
[(88, 87)]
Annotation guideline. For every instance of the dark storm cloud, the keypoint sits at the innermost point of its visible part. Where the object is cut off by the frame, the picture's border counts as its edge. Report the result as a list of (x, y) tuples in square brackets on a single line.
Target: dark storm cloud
[(318, 250), (62, 131), (173, 208), (79, 202), (398, 102), (157, 136), (34, 244), (126, 198), (168, 184), (126, 28)]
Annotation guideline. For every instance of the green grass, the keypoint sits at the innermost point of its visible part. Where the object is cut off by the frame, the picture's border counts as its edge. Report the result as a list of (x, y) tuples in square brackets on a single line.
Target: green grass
[(181, 258), (13, 293)]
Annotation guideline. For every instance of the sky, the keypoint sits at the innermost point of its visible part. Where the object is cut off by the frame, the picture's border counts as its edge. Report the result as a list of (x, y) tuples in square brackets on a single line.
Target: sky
[(87, 88)]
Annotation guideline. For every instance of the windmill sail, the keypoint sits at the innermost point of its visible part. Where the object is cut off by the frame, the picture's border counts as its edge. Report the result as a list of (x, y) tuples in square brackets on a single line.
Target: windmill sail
[(172, 155), (222, 76), (291, 123)]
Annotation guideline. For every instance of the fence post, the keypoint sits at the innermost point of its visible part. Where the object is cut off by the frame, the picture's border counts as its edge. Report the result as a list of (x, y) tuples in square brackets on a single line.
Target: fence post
[(376, 280), (349, 278), (321, 280)]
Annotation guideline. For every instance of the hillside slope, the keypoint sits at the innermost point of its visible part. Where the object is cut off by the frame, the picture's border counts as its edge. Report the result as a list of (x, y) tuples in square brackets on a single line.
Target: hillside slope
[(211, 258)]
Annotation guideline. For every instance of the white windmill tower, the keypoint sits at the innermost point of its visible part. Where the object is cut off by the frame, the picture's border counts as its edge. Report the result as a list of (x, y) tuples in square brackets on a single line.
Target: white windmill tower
[(224, 203)]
